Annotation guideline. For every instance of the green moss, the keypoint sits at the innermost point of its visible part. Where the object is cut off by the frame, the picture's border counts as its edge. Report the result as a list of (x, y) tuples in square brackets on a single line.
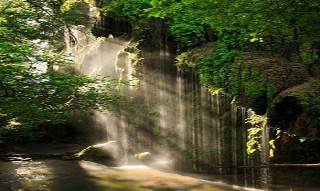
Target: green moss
[(224, 71), (308, 54), (307, 95), (83, 151)]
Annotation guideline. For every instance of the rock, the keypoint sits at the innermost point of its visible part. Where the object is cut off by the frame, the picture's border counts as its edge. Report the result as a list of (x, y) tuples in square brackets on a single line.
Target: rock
[(98, 153)]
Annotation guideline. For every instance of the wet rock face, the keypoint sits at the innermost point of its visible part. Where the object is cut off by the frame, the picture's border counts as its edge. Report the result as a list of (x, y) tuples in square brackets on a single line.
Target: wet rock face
[(298, 102), (304, 126), (117, 26), (292, 118), (288, 109), (266, 75)]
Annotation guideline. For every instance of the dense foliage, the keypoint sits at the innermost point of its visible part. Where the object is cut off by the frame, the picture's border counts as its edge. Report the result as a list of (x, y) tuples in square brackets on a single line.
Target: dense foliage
[(32, 94), (237, 23)]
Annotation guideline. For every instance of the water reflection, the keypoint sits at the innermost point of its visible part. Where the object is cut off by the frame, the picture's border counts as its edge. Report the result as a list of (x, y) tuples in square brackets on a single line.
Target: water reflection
[(61, 175)]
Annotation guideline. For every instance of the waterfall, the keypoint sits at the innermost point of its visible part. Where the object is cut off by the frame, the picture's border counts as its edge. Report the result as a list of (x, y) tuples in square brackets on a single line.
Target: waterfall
[(219, 135), (266, 179), (234, 114), (169, 115)]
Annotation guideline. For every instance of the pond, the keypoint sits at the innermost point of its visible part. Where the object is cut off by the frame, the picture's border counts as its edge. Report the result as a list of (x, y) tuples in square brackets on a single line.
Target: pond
[(63, 175)]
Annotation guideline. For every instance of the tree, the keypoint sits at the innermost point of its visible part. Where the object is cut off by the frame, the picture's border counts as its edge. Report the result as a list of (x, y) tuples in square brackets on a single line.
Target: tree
[(32, 94), (185, 19)]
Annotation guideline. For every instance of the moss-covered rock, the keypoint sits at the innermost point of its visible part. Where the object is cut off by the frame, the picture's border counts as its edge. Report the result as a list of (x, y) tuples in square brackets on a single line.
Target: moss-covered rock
[(254, 77), (98, 153), (279, 71), (299, 108), (287, 91)]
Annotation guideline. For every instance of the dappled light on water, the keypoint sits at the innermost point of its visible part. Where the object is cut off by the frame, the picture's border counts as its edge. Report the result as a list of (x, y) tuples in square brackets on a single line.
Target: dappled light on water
[(25, 173)]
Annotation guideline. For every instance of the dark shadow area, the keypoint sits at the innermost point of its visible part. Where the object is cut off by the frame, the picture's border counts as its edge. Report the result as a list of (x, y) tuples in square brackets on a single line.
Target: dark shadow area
[(300, 178), (69, 176), (297, 140)]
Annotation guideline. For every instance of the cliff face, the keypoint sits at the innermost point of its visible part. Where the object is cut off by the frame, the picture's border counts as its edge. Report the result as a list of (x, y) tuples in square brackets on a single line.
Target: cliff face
[(295, 105), (282, 83), (287, 91)]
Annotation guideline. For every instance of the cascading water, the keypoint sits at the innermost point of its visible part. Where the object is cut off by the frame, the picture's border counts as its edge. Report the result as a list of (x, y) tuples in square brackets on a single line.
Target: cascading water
[(181, 124)]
